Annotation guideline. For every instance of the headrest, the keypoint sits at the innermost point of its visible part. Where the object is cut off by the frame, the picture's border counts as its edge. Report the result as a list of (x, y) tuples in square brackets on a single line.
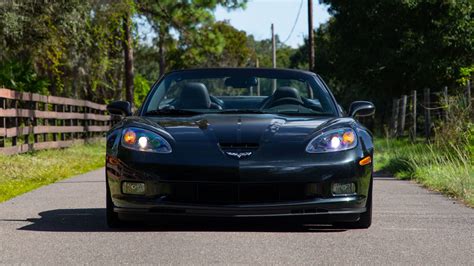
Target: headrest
[(194, 95), (286, 92)]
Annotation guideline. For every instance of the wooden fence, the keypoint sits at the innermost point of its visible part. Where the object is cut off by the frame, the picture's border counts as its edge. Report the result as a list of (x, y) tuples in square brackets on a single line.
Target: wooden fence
[(30, 121), (427, 106)]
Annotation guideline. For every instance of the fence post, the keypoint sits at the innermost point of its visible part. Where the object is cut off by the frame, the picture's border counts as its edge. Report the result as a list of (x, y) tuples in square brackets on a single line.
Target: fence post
[(34, 121), (426, 103), (71, 122), (394, 117), (3, 125), (446, 103), (403, 108), (86, 124), (413, 95), (55, 122), (45, 122), (63, 122), (15, 123)]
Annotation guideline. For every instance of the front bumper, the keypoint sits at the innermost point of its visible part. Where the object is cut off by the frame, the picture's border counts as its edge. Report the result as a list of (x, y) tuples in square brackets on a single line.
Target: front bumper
[(339, 209), (284, 173)]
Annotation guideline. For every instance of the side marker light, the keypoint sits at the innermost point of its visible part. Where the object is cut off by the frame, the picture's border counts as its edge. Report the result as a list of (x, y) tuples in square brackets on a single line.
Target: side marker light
[(367, 160)]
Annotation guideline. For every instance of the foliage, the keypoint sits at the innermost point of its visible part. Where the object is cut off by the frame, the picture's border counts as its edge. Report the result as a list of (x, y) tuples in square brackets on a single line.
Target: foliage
[(191, 21), (383, 49), (218, 45), (22, 77), (465, 74), (450, 173), (147, 62), (74, 44), (24, 172), (446, 164), (142, 86), (457, 126)]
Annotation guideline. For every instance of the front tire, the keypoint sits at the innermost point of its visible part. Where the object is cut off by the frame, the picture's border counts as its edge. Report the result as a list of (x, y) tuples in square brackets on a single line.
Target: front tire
[(365, 219), (113, 220)]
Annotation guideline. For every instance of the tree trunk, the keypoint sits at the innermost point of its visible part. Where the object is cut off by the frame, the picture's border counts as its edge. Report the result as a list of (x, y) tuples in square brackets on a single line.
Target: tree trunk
[(128, 56), (161, 50)]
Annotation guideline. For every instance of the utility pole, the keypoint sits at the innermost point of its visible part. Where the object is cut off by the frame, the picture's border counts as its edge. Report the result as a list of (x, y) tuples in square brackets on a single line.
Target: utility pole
[(310, 35), (274, 62), (257, 65)]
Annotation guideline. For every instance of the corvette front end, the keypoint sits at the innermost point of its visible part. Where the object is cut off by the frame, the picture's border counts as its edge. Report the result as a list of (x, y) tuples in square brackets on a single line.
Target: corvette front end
[(212, 178), (208, 143)]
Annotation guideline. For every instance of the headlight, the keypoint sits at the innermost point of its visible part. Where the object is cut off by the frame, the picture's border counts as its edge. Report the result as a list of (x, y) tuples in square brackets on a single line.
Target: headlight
[(333, 140), (144, 140)]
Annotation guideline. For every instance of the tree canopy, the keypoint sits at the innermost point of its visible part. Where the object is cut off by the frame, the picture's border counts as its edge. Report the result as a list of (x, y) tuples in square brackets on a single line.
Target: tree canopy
[(382, 49), (92, 49)]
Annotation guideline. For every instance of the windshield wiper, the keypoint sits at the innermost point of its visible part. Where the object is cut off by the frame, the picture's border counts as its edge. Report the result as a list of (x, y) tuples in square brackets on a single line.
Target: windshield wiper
[(172, 112), (241, 111)]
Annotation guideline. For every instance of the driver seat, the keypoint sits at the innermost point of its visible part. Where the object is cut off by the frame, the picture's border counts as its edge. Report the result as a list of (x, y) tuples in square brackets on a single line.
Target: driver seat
[(281, 96), (194, 95)]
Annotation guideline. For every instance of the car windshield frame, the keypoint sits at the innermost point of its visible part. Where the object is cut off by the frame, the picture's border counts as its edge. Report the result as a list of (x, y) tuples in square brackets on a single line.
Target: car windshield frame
[(214, 73)]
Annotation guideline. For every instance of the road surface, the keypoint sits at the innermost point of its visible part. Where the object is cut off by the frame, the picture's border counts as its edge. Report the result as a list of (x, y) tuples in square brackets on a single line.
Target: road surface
[(64, 224)]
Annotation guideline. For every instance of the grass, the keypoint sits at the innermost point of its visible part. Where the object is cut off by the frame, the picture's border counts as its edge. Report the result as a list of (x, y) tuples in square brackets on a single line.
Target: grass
[(450, 171), (24, 172)]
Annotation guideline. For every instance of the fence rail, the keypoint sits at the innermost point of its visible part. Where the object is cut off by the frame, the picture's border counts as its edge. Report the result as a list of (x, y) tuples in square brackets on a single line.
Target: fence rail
[(30, 121)]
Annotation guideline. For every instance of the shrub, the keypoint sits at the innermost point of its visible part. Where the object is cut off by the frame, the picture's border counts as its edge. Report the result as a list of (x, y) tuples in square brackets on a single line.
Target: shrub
[(20, 76)]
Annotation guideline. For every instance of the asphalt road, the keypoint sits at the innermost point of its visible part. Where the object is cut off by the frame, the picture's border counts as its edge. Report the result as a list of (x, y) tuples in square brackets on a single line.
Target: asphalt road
[(64, 224)]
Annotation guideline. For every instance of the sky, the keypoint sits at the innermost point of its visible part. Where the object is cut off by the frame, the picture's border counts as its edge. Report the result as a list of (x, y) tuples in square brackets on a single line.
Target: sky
[(257, 17)]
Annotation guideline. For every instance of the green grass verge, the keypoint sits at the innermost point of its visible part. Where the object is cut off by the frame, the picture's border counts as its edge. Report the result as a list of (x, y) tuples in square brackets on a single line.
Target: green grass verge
[(24, 172), (450, 172)]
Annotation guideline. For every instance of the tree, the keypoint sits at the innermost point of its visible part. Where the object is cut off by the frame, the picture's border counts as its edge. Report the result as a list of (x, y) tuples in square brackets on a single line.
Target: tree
[(76, 45), (184, 17), (382, 49), (128, 51), (216, 45)]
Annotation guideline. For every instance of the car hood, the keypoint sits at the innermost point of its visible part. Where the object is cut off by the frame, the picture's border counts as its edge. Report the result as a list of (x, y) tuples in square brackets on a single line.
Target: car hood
[(242, 128), (207, 147)]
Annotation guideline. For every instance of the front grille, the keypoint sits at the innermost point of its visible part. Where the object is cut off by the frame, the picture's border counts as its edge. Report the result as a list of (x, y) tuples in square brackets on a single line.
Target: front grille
[(236, 193)]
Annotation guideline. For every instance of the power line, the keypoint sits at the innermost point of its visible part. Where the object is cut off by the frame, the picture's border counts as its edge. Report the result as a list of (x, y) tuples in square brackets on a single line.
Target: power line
[(296, 21)]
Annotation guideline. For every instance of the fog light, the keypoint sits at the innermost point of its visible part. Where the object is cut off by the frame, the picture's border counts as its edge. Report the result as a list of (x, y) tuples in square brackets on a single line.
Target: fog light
[(343, 188), (134, 188)]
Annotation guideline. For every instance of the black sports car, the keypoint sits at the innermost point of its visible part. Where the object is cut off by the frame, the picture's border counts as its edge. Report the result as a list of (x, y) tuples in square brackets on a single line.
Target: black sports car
[(240, 142)]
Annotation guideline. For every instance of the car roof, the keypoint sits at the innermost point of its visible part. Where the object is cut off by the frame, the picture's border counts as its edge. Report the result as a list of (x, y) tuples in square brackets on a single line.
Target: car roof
[(243, 70)]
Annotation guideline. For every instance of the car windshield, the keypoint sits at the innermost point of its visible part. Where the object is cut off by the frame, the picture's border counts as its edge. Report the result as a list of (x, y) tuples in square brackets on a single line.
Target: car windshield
[(239, 91)]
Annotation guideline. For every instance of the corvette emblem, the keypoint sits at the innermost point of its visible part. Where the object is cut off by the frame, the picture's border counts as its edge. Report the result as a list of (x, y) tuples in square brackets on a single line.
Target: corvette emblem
[(239, 155)]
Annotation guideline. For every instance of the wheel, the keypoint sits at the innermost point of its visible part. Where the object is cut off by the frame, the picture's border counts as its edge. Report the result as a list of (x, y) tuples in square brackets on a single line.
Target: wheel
[(113, 221), (365, 219)]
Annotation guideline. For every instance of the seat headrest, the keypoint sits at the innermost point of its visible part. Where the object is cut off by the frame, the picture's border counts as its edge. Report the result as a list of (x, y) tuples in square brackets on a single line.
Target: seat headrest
[(194, 95), (286, 92)]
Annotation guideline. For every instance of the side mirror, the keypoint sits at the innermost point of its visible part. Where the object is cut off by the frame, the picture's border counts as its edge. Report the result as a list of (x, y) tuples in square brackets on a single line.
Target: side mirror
[(361, 108), (120, 108)]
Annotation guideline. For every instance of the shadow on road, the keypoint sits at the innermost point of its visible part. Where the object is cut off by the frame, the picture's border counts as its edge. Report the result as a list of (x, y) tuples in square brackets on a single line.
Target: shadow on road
[(93, 220)]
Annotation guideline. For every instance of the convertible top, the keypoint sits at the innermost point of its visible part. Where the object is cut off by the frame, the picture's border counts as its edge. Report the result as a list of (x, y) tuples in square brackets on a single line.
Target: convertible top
[(282, 72)]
